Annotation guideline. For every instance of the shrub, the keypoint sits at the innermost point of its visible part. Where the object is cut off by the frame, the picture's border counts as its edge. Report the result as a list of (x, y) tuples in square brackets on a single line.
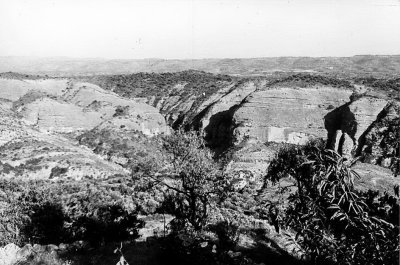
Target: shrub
[(44, 218), (92, 216), (334, 222), (47, 212)]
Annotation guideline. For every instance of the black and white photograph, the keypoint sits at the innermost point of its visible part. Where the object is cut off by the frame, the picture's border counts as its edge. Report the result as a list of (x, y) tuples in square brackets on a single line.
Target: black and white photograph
[(199, 132)]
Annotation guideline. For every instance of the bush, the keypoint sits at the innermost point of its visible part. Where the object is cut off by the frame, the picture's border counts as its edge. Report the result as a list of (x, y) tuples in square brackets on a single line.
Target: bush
[(44, 218), (334, 222), (92, 216), (56, 212)]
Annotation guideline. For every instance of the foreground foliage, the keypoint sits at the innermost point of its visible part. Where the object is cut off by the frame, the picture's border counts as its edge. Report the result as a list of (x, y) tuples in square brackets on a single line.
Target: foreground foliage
[(335, 223), (52, 213)]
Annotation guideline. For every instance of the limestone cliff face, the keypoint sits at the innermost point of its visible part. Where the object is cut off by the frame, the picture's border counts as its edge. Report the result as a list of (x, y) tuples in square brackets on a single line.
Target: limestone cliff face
[(252, 110), (215, 122), (348, 124), (209, 114), (286, 114), (180, 107), (250, 113)]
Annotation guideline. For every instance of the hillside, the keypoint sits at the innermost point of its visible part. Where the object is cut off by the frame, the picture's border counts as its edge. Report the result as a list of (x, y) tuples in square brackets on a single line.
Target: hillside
[(41, 117)]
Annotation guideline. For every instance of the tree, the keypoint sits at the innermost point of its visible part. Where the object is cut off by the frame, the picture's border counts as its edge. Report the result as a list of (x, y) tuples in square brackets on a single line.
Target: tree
[(194, 181)]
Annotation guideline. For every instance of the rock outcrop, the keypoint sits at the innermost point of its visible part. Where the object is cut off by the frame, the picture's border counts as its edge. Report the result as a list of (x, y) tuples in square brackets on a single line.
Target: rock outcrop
[(348, 124), (250, 112), (216, 120), (286, 114), (180, 107), (259, 109), (381, 142), (11, 254)]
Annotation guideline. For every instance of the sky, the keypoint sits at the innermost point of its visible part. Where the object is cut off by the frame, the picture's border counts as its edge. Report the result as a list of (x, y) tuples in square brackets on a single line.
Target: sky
[(195, 29)]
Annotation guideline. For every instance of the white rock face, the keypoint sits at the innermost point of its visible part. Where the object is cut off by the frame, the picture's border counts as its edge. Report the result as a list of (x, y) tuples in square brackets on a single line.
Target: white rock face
[(352, 121), (283, 114), (211, 122), (347, 146), (8, 254), (362, 113), (51, 115)]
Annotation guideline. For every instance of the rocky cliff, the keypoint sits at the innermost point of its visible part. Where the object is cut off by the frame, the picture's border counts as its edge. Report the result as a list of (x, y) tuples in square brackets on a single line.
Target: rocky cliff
[(348, 124), (263, 109), (286, 114), (251, 116)]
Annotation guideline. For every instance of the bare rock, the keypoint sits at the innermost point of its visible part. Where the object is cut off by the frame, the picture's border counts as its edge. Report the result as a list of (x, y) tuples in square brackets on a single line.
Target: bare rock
[(286, 114), (348, 124), (347, 146), (386, 162), (216, 123), (9, 254), (361, 114), (52, 115)]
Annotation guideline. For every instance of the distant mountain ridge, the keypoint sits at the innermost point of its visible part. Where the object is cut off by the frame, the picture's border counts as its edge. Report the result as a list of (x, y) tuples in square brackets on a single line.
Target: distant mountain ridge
[(63, 66)]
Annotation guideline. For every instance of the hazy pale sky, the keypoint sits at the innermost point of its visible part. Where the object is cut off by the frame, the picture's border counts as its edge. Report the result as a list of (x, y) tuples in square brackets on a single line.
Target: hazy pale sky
[(198, 29)]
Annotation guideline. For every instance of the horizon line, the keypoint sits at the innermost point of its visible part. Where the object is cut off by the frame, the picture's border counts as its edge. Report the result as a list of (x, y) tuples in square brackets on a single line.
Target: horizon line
[(188, 59)]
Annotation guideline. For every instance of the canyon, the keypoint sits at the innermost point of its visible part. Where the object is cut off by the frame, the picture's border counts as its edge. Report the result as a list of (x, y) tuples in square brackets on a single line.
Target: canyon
[(91, 133), (98, 126)]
